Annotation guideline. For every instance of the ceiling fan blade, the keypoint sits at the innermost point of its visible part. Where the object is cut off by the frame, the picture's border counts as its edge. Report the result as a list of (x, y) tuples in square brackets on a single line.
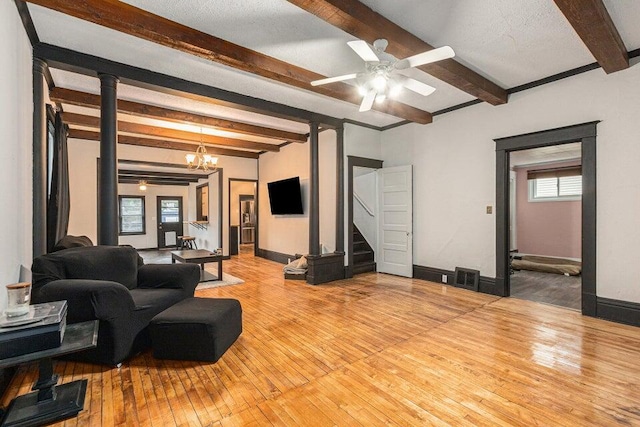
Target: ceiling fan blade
[(367, 101), (334, 79), (444, 52), (363, 50), (418, 87)]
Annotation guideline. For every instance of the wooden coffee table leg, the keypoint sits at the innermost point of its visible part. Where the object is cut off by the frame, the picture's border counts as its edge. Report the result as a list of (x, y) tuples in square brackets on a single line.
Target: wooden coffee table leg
[(219, 269)]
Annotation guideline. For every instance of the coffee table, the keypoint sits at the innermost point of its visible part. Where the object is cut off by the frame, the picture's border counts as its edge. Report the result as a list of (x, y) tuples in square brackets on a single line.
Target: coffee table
[(51, 402), (200, 256)]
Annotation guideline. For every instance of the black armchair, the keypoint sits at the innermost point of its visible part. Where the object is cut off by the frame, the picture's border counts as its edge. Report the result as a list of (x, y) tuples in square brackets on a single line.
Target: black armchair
[(107, 283)]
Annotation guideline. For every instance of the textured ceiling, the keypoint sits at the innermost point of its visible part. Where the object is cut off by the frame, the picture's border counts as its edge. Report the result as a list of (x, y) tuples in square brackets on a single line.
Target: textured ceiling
[(509, 42)]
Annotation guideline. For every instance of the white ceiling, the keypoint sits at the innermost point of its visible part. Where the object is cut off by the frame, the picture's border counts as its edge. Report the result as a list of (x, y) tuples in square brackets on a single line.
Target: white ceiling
[(554, 153), (509, 42)]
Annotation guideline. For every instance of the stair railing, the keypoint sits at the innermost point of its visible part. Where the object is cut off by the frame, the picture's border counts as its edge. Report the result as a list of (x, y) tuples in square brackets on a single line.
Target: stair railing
[(363, 204)]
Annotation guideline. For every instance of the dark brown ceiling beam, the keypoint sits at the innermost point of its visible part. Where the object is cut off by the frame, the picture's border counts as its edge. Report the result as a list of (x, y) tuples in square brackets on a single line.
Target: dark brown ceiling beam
[(158, 181), (160, 143), (136, 22), (156, 174), (591, 20), (94, 122), (363, 22), (84, 99), (149, 178)]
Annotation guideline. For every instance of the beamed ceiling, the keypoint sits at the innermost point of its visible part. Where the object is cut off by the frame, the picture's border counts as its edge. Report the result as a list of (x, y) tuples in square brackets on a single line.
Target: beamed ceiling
[(270, 50)]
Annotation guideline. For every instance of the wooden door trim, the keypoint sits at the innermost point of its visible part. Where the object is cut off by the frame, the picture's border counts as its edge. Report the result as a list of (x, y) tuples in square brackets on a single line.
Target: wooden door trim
[(586, 134)]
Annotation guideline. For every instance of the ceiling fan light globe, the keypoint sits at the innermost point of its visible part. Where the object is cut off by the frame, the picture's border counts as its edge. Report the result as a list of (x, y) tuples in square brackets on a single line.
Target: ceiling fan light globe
[(362, 90), (381, 98), (380, 45), (379, 82), (395, 90)]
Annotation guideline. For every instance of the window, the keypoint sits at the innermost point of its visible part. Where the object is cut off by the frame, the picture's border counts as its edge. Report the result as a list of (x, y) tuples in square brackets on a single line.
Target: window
[(170, 210), (131, 215), (555, 188)]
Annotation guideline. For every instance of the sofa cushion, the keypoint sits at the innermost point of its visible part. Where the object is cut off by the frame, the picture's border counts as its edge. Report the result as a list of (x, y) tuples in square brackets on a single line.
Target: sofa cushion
[(94, 263), (149, 302), (68, 242)]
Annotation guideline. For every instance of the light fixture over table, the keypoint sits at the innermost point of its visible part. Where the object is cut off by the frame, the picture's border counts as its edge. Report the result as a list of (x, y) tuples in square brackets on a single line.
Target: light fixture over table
[(143, 185), (200, 159)]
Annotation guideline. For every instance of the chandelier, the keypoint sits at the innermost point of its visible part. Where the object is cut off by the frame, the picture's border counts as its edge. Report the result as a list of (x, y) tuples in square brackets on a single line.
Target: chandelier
[(142, 185), (200, 159)]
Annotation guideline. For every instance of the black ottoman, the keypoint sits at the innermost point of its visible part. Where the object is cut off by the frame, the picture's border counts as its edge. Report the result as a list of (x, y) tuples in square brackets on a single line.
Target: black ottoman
[(196, 329)]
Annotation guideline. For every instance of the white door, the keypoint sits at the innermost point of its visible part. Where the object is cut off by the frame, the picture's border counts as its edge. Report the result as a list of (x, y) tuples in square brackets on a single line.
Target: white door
[(395, 221)]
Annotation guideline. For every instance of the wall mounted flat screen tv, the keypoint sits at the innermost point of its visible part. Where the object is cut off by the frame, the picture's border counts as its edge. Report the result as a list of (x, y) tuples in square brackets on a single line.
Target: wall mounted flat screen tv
[(285, 197)]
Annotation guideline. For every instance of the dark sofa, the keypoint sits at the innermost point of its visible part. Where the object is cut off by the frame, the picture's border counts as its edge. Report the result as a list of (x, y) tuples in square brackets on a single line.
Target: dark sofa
[(108, 284)]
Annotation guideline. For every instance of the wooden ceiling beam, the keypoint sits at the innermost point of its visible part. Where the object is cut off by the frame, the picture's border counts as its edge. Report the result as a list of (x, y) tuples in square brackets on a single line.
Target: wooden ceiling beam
[(141, 129), (137, 22), (591, 20), (156, 181), (84, 99), (161, 143), (364, 23), (161, 174)]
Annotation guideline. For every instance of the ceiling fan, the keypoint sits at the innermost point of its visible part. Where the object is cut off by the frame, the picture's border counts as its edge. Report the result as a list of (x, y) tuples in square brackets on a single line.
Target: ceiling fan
[(380, 79)]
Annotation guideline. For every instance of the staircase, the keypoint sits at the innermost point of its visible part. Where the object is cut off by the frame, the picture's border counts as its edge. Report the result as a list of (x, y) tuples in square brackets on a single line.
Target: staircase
[(362, 253)]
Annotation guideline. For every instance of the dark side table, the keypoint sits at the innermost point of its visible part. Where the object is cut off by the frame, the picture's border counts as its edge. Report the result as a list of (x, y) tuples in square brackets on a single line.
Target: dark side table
[(51, 402)]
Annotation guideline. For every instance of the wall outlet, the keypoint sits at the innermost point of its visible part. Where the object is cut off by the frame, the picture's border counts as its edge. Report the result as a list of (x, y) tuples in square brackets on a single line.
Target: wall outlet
[(489, 210), (444, 278)]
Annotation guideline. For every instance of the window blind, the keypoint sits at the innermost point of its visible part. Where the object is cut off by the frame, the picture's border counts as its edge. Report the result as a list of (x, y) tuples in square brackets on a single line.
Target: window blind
[(566, 171)]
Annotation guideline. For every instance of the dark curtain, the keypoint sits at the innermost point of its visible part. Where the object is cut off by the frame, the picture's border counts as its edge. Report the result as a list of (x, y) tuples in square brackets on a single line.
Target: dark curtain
[(58, 206)]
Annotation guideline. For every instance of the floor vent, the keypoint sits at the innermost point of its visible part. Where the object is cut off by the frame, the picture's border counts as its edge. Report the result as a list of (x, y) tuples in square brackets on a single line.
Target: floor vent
[(466, 278)]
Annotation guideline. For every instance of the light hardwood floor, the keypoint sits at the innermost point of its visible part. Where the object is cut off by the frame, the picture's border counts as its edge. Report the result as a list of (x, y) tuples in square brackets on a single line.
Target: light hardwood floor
[(376, 350)]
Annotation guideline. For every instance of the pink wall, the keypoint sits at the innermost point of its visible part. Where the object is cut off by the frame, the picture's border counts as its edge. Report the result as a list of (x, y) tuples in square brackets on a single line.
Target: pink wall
[(547, 228)]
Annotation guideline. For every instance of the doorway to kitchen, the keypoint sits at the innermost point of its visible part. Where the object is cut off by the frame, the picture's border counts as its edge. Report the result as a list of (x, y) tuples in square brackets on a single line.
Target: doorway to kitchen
[(243, 216)]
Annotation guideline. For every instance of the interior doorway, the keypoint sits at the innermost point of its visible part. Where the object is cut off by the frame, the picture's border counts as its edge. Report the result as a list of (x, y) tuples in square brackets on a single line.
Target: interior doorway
[(247, 219), (357, 167), (169, 220), (545, 219), (585, 134), (243, 216)]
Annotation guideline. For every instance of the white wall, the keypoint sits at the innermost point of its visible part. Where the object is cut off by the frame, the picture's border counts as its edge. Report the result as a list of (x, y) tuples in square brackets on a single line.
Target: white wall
[(16, 113), (289, 234), (454, 173), (83, 185), (327, 163)]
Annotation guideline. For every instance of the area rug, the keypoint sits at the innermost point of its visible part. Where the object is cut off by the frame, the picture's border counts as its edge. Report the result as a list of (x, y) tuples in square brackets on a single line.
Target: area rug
[(227, 280)]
